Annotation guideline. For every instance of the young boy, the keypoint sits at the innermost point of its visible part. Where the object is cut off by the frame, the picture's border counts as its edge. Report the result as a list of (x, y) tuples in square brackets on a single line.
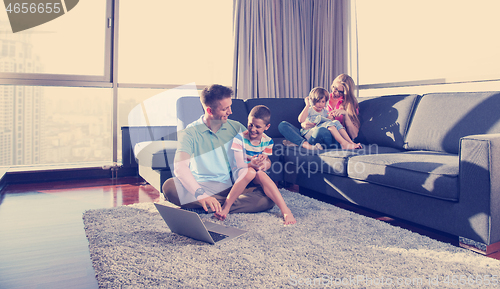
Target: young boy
[(251, 150)]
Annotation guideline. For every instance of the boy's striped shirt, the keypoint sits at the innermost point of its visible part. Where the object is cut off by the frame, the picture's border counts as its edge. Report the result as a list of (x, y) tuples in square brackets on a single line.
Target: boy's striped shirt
[(242, 143)]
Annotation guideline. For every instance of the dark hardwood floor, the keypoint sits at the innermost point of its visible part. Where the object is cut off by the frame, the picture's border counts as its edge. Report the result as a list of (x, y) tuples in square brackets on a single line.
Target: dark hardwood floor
[(42, 238)]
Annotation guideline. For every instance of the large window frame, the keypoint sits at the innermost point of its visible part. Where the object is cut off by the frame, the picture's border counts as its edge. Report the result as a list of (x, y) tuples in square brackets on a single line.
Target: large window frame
[(108, 79)]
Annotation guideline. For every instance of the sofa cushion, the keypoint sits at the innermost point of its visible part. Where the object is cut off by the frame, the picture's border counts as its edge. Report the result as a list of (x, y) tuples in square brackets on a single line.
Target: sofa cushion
[(385, 120), (441, 119), (239, 111), (301, 161), (189, 109), (331, 161), (432, 174), (282, 109), (156, 154)]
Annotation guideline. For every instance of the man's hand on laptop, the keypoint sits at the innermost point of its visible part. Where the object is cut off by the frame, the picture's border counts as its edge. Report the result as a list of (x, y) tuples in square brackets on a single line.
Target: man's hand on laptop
[(208, 201)]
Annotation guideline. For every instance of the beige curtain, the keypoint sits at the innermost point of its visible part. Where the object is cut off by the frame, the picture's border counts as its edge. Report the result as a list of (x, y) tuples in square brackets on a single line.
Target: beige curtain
[(284, 48)]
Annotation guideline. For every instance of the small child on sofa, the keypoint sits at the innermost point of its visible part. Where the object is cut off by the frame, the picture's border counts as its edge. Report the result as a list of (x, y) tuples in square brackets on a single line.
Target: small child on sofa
[(251, 150), (315, 112)]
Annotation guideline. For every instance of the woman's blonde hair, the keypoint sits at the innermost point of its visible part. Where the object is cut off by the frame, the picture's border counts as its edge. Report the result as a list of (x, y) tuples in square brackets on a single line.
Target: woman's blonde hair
[(350, 101), (318, 93)]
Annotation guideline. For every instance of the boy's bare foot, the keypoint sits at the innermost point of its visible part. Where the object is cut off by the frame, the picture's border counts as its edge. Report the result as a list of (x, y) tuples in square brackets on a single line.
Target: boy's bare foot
[(221, 216), (289, 219)]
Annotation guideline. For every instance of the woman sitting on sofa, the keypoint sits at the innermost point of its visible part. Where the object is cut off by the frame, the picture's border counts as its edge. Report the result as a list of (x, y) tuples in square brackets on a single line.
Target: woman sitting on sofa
[(342, 106)]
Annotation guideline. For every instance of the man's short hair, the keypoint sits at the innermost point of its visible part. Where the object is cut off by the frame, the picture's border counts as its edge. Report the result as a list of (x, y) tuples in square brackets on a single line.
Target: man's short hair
[(211, 95), (261, 112)]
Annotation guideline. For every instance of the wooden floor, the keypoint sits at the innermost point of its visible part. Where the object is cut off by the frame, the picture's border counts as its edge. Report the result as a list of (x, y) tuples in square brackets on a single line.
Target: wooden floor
[(42, 238)]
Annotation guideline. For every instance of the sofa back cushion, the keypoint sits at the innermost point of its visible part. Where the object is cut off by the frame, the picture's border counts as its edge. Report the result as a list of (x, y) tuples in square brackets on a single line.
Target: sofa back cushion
[(239, 111), (282, 109), (385, 120), (441, 119), (188, 109)]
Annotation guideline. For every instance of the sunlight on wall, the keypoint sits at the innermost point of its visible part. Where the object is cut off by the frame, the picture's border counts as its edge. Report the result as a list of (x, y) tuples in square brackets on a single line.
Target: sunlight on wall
[(425, 39), (423, 89)]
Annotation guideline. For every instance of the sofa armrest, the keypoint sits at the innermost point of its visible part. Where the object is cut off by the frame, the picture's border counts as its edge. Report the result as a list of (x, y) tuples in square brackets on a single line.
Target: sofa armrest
[(480, 182), (157, 154)]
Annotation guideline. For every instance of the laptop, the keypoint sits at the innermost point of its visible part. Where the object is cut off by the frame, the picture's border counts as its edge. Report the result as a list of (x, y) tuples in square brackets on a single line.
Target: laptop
[(189, 224)]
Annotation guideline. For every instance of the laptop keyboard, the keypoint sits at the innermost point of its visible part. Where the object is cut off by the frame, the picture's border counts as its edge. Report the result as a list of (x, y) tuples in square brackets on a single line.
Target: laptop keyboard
[(216, 236)]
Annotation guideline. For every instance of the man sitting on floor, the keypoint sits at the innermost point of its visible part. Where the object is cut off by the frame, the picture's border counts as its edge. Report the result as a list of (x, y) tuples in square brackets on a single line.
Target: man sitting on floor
[(203, 159)]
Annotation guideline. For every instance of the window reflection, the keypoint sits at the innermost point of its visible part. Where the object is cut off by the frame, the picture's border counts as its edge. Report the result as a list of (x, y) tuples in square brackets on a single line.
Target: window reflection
[(55, 125)]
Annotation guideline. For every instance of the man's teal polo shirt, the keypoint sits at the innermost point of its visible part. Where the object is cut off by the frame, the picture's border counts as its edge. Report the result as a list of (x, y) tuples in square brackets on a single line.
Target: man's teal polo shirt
[(208, 160)]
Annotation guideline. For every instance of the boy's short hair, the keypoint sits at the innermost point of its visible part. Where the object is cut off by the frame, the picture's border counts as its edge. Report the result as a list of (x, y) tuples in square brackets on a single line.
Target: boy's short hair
[(261, 112), (211, 95), (318, 93)]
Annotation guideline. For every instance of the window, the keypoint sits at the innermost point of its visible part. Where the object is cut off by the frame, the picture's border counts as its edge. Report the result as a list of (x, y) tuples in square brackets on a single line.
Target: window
[(76, 129), (72, 44), (427, 42), (176, 42), (158, 104), (58, 89), (62, 122)]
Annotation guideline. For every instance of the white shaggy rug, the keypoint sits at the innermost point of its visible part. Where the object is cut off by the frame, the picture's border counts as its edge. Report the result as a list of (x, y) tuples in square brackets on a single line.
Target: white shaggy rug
[(131, 247)]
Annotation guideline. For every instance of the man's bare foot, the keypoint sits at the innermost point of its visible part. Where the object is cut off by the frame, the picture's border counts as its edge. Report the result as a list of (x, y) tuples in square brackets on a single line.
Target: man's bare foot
[(350, 146), (289, 219)]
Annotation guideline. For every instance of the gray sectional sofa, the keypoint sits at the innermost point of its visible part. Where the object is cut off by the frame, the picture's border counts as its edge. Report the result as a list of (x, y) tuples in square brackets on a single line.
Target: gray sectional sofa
[(430, 159)]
